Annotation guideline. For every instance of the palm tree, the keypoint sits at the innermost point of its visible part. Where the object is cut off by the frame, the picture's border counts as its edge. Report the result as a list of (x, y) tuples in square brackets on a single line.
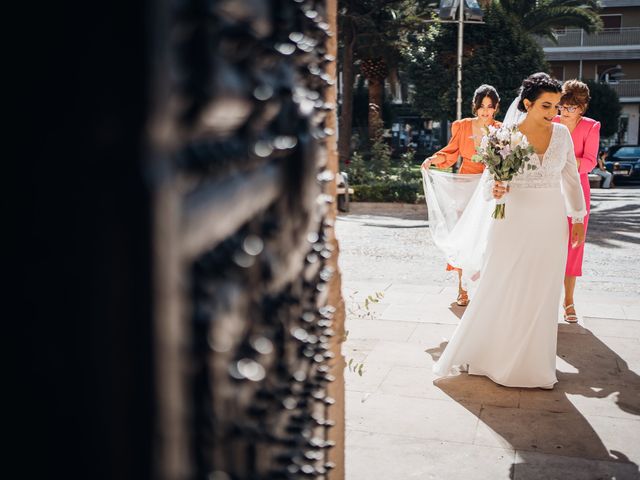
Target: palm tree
[(371, 33), (542, 17), (375, 70)]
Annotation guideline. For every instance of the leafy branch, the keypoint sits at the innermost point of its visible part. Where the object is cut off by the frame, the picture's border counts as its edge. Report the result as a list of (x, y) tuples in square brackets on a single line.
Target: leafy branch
[(361, 310)]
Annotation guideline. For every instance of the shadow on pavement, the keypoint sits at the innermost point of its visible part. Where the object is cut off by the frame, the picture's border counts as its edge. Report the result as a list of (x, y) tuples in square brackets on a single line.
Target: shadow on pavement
[(553, 439), (611, 226), (456, 309)]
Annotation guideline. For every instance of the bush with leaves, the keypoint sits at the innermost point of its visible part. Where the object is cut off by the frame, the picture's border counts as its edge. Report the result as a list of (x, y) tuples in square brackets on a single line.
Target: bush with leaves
[(380, 151), (359, 170), (405, 172), (388, 191), (373, 183), (604, 107)]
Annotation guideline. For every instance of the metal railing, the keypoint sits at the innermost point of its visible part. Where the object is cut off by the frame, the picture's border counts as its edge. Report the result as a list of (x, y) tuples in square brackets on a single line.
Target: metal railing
[(607, 37), (627, 88)]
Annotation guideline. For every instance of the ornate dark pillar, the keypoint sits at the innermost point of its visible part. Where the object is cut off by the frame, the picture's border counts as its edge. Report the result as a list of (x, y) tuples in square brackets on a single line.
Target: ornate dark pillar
[(190, 318)]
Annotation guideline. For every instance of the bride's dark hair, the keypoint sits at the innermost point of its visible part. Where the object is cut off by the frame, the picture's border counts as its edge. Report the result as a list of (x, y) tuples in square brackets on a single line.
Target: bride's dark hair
[(533, 86)]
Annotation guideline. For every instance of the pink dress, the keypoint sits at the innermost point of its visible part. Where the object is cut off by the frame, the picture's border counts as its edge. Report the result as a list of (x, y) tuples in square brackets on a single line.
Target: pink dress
[(586, 141)]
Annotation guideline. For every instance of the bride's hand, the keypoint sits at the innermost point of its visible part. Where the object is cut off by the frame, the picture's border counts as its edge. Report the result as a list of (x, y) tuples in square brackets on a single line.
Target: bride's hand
[(499, 190), (577, 235), (427, 163)]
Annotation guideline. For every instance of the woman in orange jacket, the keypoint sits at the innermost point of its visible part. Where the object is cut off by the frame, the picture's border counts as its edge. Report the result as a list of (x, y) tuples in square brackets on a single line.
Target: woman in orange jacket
[(466, 135)]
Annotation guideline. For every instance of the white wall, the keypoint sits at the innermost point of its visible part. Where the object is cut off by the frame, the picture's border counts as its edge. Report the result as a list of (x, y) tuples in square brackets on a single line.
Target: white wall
[(632, 110)]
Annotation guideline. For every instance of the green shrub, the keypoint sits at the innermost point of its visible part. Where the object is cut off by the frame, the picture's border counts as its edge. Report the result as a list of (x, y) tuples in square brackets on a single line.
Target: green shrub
[(380, 150), (359, 170), (400, 192), (406, 171)]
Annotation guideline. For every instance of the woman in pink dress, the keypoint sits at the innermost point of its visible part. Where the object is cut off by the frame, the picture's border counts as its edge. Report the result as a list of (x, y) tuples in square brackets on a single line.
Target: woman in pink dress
[(585, 133)]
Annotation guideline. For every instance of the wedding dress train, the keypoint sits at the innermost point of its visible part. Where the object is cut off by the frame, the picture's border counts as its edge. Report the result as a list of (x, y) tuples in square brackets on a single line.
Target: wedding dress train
[(509, 330)]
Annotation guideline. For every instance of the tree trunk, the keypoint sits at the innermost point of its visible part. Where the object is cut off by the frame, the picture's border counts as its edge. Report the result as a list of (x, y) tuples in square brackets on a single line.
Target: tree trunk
[(346, 110), (376, 89)]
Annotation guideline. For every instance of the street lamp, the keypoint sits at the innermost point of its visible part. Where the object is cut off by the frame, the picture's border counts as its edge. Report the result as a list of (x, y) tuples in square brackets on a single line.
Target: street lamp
[(449, 9), (468, 11), (613, 73)]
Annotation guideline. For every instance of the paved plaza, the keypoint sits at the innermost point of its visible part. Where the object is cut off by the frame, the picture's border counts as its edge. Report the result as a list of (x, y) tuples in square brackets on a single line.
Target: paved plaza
[(402, 423)]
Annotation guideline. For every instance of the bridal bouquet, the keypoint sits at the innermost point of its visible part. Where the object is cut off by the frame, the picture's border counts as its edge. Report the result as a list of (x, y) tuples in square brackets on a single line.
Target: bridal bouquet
[(505, 151)]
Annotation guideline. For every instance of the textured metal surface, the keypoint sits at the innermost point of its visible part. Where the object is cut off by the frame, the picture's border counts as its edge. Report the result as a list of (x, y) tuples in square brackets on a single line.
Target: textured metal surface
[(249, 81), (173, 248)]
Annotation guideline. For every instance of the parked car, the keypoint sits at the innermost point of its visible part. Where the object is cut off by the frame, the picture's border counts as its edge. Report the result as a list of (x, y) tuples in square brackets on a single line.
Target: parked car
[(624, 162)]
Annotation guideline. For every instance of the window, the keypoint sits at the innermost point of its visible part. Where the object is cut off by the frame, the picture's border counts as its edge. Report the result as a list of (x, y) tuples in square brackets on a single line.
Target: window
[(557, 72), (612, 21), (627, 152)]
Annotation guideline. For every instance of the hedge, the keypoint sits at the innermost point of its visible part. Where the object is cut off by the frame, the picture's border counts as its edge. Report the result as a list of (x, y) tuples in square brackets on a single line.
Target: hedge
[(388, 192)]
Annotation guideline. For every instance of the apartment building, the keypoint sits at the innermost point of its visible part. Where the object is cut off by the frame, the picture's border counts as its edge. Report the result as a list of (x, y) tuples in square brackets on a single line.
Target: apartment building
[(611, 56)]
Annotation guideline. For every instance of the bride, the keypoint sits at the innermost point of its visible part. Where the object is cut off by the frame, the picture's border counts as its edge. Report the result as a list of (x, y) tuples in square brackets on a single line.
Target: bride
[(509, 330)]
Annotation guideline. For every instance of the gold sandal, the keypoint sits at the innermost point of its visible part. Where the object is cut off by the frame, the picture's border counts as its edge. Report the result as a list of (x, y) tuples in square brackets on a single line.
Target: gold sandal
[(463, 299), (570, 317)]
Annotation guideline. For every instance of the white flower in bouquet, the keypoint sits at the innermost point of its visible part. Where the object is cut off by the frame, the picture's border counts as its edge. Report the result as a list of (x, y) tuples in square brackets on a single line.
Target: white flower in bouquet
[(492, 129), (506, 152), (503, 135), (516, 138)]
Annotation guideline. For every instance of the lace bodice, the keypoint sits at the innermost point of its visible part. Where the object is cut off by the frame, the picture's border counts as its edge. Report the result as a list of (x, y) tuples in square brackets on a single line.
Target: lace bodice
[(556, 168)]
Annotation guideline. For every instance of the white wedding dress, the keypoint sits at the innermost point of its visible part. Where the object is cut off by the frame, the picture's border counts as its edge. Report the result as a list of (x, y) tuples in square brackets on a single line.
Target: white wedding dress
[(509, 330)]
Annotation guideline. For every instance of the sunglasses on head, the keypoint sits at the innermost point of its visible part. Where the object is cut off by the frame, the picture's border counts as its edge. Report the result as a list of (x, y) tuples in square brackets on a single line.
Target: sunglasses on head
[(568, 108)]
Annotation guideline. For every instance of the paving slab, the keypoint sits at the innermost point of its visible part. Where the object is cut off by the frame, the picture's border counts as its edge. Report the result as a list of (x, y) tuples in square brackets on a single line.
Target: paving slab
[(380, 329), (379, 456), (400, 353), (420, 313), (613, 327), (415, 417), (415, 382)]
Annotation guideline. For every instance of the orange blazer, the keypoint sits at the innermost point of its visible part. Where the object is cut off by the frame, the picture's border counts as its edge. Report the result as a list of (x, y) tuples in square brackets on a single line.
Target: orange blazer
[(461, 144)]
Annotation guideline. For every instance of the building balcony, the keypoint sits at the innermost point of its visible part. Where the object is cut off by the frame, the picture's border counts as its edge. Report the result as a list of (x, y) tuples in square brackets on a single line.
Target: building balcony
[(609, 44), (627, 90), (619, 3), (607, 37)]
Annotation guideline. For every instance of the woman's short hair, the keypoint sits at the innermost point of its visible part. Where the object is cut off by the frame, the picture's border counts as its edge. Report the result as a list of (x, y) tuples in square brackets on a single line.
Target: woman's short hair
[(575, 92), (535, 85), (479, 95)]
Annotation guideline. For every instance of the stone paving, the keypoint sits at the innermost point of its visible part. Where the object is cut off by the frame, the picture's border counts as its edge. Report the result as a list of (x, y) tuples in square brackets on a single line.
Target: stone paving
[(402, 423)]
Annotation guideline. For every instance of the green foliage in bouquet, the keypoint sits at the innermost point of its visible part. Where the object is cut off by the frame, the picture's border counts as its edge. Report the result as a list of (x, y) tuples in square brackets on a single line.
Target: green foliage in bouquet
[(506, 152)]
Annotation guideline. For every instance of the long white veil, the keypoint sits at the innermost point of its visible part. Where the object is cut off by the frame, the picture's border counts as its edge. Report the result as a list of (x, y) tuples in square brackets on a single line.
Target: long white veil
[(514, 116), (459, 219), (460, 208)]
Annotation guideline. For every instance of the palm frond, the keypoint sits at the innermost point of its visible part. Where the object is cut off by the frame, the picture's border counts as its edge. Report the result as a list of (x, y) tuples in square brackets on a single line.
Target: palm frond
[(543, 20)]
